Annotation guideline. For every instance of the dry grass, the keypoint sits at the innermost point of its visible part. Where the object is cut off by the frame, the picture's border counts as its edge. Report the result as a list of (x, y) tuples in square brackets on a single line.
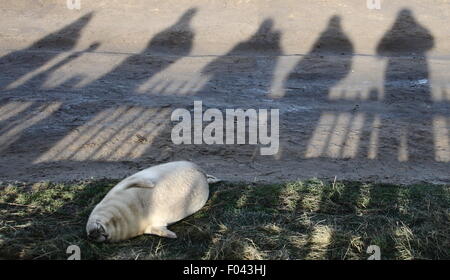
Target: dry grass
[(300, 220)]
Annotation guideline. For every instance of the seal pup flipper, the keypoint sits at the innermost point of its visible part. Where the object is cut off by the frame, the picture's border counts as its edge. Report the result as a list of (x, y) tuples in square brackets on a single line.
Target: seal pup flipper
[(160, 231), (138, 183)]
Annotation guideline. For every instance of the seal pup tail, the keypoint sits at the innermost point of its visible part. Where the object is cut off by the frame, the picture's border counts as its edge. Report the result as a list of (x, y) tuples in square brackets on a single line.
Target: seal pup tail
[(211, 179)]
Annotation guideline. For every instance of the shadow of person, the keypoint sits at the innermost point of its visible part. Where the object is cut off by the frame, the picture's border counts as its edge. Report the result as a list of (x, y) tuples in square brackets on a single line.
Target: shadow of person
[(327, 63), (407, 89), (175, 41), (240, 69), (405, 46), (15, 65)]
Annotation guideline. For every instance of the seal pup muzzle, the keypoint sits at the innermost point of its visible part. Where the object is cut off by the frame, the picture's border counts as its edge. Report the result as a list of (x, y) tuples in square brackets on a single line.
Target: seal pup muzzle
[(148, 201)]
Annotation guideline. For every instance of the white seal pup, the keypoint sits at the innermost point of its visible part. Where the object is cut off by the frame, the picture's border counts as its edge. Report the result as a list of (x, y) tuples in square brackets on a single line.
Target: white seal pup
[(148, 201)]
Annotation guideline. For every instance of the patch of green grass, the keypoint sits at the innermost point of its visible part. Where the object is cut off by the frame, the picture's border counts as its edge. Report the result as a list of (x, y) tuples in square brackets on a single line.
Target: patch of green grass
[(298, 220)]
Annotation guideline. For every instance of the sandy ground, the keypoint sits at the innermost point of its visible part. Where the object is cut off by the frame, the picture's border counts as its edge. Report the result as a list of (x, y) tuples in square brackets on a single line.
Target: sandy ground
[(71, 110)]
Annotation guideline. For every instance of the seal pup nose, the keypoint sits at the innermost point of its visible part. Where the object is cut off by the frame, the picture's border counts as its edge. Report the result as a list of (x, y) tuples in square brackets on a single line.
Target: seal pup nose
[(96, 232)]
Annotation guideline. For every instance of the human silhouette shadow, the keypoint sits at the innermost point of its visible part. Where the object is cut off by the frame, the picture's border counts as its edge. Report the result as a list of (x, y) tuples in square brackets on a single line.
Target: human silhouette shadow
[(406, 43), (22, 62), (407, 90), (246, 72), (173, 43), (327, 63), (19, 63)]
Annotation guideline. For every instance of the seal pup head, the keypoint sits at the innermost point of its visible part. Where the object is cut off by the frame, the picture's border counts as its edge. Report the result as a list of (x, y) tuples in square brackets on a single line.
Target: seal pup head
[(96, 231)]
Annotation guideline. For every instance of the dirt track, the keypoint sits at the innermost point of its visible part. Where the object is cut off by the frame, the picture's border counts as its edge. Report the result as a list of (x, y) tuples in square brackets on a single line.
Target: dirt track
[(76, 103)]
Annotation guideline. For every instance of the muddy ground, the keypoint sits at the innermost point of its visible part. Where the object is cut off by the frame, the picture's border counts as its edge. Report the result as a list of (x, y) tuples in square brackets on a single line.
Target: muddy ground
[(69, 112)]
